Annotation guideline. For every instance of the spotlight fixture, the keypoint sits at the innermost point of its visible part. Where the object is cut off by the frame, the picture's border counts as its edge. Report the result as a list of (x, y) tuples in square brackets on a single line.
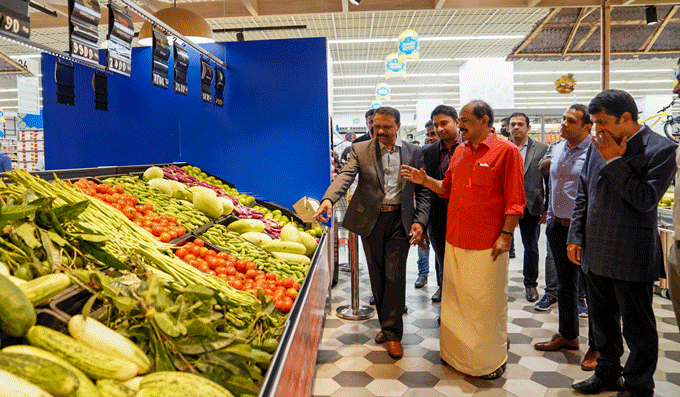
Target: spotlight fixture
[(650, 13), (239, 36), (355, 2)]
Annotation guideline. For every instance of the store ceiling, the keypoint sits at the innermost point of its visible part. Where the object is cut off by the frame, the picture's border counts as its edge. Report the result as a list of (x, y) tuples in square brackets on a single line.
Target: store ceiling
[(362, 36)]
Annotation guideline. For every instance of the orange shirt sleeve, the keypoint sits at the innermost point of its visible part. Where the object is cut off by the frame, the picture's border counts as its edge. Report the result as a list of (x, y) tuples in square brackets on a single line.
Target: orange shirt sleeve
[(513, 182)]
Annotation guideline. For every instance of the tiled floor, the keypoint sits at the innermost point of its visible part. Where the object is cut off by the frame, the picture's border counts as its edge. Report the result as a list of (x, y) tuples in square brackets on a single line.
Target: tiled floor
[(351, 364)]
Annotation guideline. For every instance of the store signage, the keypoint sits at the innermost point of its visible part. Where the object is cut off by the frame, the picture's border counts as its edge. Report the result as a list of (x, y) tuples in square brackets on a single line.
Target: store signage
[(382, 92), (101, 92), (409, 46), (181, 60), (63, 76), (206, 78), (565, 84), (84, 16), (376, 105), (393, 67), (121, 33), (219, 86), (161, 54), (14, 20)]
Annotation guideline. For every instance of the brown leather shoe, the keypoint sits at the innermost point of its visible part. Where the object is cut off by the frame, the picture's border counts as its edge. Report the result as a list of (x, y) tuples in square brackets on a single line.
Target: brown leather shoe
[(394, 349), (589, 362), (380, 337), (556, 343)]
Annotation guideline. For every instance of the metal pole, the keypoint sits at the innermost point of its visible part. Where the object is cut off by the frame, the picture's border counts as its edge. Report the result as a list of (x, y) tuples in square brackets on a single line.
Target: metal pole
[(355, 311)]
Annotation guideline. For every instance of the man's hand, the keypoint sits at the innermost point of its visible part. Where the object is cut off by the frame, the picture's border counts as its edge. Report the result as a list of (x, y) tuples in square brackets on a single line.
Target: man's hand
[(544, 167), (416, 235), (574, 253), (544, 216), (607, 147), (501, 245), (413, 175), (325, 207)]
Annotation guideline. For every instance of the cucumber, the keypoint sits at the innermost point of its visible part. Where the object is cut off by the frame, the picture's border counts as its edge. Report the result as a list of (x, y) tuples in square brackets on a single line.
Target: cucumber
[(285, 246), (40, 290), (51, 377), (16, 311), (183, 382), (102, 338), (85, 388), (113, 388), (93, 363), (14, 386)]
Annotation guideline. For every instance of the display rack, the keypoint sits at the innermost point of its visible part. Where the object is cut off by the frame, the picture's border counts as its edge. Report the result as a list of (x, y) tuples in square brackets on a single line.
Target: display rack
[(23, 146)]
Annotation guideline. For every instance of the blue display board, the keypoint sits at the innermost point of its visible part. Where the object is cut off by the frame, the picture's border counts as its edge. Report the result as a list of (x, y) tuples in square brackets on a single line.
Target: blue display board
[(271, 137)]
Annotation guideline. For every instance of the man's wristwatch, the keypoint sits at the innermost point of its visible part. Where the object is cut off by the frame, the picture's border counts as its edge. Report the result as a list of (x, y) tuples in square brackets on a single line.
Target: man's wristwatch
[(506, 232)]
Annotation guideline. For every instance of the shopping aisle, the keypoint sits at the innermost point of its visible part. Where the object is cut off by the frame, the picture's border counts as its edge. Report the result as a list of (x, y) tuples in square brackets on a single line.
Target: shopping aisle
[(351, 364)]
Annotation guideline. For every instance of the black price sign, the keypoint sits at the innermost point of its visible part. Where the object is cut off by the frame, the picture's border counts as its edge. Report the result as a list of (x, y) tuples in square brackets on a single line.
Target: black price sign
[(181, 59), (14, 20), (121, 33), (84, 16), (161, 54), (206, 78), (219, 86)]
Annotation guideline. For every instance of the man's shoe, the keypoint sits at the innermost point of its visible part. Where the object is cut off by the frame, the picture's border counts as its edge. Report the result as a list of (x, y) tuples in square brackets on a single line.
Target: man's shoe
[(405, 310), (589, 362), (556, 343), (495, 374), (596, 385), (421, 281), (380, 337), (511, 254), (437, 297), (628, 393), (545, 303), (582, 308), (532, 294), (371, 301), (394, 349)]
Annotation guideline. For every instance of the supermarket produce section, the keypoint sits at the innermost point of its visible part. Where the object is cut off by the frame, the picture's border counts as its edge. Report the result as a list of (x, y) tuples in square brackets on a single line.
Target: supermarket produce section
[(155, 280)]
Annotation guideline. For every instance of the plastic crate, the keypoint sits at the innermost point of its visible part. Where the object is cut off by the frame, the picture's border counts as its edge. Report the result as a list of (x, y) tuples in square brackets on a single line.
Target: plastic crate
[(284, 211), (71, 301)]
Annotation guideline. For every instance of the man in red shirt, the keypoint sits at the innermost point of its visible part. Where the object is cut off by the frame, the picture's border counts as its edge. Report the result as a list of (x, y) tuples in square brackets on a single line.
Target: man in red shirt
[(485, 188)]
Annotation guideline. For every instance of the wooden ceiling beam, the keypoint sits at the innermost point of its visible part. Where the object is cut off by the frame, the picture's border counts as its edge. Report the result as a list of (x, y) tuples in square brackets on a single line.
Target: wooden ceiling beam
[(536, 31), (252, 7), (657, 32), (345, 5), (582, 14), (439, 4), (593, 53)]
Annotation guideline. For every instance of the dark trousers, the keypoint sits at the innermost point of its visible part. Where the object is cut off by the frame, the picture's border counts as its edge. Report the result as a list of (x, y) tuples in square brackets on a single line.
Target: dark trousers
[(530, 231), (386, 250), (610, 303), (567, 284), (436, 230)]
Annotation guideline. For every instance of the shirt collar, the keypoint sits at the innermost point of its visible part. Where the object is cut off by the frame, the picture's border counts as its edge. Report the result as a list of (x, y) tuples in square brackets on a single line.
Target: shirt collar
[(638, 131), (584, 143), (397, 143), (490, 141), (443, 148)]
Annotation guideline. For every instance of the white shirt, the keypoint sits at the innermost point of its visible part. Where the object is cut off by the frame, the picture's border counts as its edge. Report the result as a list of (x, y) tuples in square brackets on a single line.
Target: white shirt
[(391, 162)]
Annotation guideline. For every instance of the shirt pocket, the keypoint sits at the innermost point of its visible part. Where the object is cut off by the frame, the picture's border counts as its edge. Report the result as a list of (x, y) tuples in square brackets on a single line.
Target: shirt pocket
[(482, 175)]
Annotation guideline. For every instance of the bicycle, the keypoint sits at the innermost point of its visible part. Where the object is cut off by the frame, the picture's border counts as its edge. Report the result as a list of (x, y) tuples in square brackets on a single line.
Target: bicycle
[(671, 125)]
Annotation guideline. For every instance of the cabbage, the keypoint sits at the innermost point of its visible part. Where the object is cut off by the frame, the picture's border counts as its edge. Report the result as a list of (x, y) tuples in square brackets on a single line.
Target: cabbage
[(153, 173)]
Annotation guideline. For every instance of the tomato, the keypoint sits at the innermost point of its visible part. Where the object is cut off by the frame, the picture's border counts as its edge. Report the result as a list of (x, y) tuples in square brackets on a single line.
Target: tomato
[(181, 230), (203, 251), (212, 262), (211, 272), (222, 276), (199, 242), (189, 257), (165, 237), (288, 282), (259, 285), (148, 207), (220, 262), (279, 293), (204, 267), (230, 270), (223, 255), (195, 249), (156, 230), (259, 277), (221, 270), (103, 188), (270, 276), (236, 284), (250, 273), (296, 285), (291, 293), (231, 277), (173, 234), (250, 265), (182, 252), (240, 266)]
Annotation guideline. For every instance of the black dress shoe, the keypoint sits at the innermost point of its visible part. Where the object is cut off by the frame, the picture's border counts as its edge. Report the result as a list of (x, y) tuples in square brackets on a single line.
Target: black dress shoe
[(511, 254), (371, 301), (421, 281), (532, 294), (628, 393), (437, 297), (596, 385), (405, 310)]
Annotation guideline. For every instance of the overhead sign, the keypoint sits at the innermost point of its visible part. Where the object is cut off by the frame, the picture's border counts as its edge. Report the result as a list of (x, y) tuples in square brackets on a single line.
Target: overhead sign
[(376, 105), (14, 20), (181, 60), (382, 92), (219, 86), (409, 46), (84, 16), (121, 33), (393, 67), (161, 54)]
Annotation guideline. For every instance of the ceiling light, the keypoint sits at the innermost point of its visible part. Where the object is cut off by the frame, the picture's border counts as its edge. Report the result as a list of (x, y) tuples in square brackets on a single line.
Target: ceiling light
[(185, 22), (650, 14), (355, 2)]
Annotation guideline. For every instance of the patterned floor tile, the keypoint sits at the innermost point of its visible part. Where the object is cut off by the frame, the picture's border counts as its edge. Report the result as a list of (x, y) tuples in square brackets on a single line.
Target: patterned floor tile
[(351, 364)]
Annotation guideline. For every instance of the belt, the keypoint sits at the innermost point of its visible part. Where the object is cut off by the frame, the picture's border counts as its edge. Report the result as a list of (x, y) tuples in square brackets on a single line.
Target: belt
[(389, 208), (562, 221)]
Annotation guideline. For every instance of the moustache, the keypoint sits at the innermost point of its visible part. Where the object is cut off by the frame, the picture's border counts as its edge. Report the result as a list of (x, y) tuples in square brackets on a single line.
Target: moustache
[(384, 135)]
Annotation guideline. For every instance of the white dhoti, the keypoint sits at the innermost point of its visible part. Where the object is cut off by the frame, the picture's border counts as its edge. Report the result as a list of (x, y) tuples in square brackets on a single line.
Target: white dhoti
[(474, 310)]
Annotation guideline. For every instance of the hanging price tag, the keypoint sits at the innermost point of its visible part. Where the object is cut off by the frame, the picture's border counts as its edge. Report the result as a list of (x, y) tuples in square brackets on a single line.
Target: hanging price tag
[(121, 33), (181, 66), (84, 16), (14, 20), (206, 78), (161, 54)]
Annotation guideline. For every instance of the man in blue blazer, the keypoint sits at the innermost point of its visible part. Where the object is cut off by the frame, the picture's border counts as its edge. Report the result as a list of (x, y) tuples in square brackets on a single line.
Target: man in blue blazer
[(613, 235)]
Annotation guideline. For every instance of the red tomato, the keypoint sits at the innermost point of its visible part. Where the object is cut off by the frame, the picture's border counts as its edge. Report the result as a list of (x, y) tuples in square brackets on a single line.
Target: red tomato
[(103, 188), (230, 270), (223, 255), (296, 285), (156, 230), (199, 242), (250, 273), (182, 252), (204, 267), (195, 249), (119, 189), (181, 230), (222, 276), (236, 284), (221, 270), (291, 293), (173, 234), (204, 252), (165, 237), (212, 262), (250, 265), (189, 257), (270, 276), (288, 282)]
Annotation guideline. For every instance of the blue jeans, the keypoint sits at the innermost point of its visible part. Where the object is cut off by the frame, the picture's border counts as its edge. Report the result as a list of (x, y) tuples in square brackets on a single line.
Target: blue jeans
[(423, 261)]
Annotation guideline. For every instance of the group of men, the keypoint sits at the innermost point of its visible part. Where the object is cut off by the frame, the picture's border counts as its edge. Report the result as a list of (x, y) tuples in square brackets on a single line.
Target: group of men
[(599, 203)]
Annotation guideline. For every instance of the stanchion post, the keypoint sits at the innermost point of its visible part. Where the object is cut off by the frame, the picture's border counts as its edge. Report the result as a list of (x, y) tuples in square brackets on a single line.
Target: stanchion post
[(355, 311)]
